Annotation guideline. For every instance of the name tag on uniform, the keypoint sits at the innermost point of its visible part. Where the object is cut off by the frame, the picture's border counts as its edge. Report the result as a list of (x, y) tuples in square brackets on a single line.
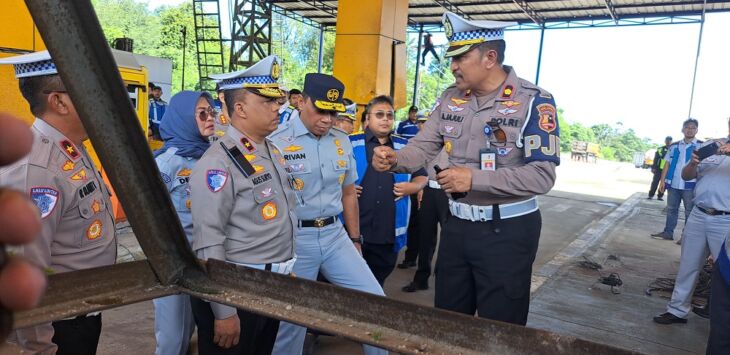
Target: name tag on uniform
[(488, 159)]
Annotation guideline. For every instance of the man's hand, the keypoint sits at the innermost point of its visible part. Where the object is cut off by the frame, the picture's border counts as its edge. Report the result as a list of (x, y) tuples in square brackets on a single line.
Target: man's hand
[(661, 187), (358, 247), (383, 158), (420, 198), (227, 331), (694, 161), (724, 149), (358, 189), (405, 188), (455, 179)]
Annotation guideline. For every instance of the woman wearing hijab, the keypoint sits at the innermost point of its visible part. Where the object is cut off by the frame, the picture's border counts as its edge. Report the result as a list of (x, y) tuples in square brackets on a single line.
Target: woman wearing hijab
[(185, 128)]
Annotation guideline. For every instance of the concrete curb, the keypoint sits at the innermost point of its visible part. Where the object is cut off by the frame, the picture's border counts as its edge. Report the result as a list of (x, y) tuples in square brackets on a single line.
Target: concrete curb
[(594, 233)]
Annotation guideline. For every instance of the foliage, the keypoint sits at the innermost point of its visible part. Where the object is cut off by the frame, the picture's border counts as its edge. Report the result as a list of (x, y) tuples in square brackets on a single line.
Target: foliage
[(616, 143)]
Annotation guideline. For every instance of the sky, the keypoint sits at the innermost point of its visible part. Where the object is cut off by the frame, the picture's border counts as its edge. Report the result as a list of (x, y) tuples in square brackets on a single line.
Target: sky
[(640, 76)]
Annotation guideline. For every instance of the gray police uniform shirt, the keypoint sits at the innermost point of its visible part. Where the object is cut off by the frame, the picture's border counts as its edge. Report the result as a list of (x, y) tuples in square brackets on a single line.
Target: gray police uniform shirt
[(241, 219), (175, 171), (76, 214), (713, 179), (525, 162), (320, 167)]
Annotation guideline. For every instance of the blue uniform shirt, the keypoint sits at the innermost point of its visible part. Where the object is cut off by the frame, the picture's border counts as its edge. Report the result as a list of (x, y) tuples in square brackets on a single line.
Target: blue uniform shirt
[(407, 129), (321, 166), (157, 110), (175, 171)]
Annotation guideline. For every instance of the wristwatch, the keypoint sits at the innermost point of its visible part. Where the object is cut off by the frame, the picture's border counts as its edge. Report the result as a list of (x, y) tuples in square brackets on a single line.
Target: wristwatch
[(358, 239)]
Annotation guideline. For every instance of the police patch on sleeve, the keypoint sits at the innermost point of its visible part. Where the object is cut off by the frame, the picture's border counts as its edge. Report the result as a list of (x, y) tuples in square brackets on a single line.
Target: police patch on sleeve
[(45, 198), (216, 179), (541, 133)]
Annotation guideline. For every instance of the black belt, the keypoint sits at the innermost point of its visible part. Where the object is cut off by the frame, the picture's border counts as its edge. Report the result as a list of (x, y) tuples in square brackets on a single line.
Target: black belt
[(712, 211), (319, 222)]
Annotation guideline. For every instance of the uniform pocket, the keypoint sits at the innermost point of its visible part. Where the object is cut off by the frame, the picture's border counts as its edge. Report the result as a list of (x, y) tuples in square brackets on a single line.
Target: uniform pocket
[(264, 192), (298, 167)]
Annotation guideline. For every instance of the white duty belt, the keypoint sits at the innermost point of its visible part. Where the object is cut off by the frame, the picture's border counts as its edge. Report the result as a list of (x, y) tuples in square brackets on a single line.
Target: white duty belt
[(434, 184), (477, 213)]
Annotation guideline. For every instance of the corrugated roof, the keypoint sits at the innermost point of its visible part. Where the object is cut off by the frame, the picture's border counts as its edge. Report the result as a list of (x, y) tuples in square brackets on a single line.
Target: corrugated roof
[(522, 11)]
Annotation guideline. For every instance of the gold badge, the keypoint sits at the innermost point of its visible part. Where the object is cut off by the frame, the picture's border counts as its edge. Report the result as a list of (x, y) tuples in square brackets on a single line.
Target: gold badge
[(184, 172), (80, 175), (276, 151), (250, 157), (269, 211), (94, 230), (448, 29), (342, 163), (275, 70), (187, 203), (223, 119), (298, 184), (96, 206), (341, 178), (258, 168), (338, 143), (68, 166), (447, 146), (293, 148), (333, 94), (458, 102), (340, 151)]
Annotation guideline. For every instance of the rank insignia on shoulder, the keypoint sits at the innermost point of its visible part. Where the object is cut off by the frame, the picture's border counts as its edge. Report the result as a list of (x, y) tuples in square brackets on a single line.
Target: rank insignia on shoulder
[(507, 91), (68, 166), (269, 211), (216, 179), (184, 172), (293, 148), (248, 145), (79, 175), (70, 149), (45, 198), (94, 230)]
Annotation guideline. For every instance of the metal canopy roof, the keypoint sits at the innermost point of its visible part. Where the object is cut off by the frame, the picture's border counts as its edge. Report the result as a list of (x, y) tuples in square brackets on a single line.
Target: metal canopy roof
[(428, 12)]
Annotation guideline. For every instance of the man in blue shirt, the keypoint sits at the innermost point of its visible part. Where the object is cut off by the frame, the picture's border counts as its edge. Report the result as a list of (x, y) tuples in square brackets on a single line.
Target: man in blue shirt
[(678, 189), (157, 110), (409, 128), (384, 207)]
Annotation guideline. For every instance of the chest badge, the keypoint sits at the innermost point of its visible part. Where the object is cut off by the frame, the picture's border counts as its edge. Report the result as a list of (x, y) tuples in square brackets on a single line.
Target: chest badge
[(338, 143), (68, 166), (341, 178), (269, 211), (293, 148), (458, 102), (298, 184), (45, 198), (507, 111), (455, 108), (447, 147), (79, 175), (94, 230), (184, 172), (96, 206), (340, 151)]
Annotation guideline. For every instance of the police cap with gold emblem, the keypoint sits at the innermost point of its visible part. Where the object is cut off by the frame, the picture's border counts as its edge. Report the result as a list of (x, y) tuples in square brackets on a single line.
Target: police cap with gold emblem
[(32, 64), (350, 112), (325, 91), (260, 78), (464, 34)]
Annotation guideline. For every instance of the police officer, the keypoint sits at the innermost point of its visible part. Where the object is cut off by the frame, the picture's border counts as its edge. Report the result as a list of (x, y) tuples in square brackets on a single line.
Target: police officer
[(501, 134), (706, 227), (242, 206), (345, 121), (72, 199), (323, 166)]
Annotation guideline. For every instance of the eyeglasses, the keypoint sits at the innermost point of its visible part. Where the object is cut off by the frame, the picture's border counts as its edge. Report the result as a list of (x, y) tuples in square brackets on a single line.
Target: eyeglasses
[(204, 114), (498, 133), (382, 114)]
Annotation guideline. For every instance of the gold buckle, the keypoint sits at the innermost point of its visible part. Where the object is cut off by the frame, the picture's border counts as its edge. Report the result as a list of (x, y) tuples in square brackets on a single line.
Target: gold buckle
[(711, 211), (319, 222)]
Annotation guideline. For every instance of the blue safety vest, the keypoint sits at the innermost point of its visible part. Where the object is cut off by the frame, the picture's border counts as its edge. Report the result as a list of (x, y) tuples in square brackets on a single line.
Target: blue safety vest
[(402, 205), (723, 262)]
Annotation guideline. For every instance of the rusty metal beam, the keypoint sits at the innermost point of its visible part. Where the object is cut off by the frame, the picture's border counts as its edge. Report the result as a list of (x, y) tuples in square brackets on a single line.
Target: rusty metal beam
[(611, 10)]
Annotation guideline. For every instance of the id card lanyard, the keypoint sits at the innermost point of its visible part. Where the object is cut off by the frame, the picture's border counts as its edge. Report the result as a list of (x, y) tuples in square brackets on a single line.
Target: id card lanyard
[(488, 155)]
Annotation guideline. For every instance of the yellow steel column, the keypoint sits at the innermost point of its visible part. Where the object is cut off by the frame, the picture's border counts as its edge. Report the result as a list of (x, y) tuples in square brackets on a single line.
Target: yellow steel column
[(364, 49)]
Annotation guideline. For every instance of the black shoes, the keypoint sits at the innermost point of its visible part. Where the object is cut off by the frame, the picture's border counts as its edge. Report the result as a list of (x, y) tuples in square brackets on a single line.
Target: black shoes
[(406, 264), (703, 312), (413, 287), (668, 318)]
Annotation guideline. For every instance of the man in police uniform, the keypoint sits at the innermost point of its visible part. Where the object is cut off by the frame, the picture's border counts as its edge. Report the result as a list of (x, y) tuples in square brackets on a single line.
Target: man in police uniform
[(657, 168), (501, 134), (346, 120), (242, 206), (72, 199), (323, 166)]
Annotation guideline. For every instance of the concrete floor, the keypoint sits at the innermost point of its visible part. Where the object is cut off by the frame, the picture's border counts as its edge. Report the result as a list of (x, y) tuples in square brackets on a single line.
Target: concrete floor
[(590, 212)]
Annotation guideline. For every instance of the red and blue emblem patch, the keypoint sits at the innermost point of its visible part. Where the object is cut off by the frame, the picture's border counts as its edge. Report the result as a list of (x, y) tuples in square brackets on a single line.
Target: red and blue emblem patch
[(45, 198), (216, 179)]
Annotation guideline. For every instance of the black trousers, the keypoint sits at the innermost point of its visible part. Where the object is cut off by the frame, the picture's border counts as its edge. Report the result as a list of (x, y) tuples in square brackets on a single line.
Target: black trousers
[(426, 50), (719, 341), (258, 333), (434, 211), (412, 246), (77, 336), (380, 259), (655, 185), (478, 270)]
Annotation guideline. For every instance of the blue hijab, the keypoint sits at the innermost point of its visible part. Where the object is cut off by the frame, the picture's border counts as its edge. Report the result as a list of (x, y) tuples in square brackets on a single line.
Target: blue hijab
[(179, 127)]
